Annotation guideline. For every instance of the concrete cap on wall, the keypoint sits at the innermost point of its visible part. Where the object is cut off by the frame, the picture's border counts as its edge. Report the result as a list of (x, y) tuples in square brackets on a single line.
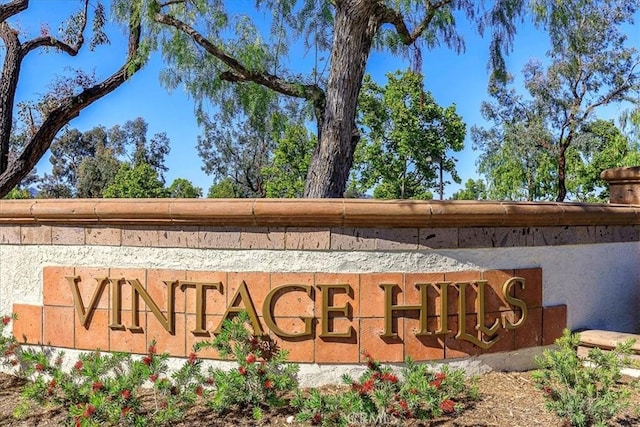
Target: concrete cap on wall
[(624, 184)]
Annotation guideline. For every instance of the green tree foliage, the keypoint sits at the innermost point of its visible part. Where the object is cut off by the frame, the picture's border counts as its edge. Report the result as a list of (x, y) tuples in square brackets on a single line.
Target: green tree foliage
[(97, 173), (214, 51), (599, 146), (224, 189), (85, 163), (590, 66), (37, 122), (184, 189), (139, 181), (512, 159), (67, 154), (265, 151), (17, 193), (407, 137), (474, 189), (285, 176)]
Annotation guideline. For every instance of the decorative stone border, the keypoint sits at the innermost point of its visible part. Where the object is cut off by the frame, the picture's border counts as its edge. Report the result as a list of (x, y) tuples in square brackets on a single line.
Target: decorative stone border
[(313, 224), (317, 317), (314, 213)]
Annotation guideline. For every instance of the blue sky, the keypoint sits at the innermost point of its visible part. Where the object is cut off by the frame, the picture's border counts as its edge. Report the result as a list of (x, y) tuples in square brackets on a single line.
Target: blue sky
[(451, 78)]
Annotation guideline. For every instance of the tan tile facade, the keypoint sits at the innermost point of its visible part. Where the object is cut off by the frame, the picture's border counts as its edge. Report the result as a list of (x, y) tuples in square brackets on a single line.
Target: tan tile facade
[(377, 313), (315, 239)]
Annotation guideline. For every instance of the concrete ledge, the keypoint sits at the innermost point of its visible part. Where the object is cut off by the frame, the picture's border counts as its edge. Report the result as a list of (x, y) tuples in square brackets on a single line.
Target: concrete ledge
[(313, 213), (608, 340)]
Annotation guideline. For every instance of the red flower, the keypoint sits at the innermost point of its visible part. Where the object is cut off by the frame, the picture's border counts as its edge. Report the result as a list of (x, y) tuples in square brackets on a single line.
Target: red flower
[(39, 367), (58, 361), (209, 381), (152, 349), (367, 386), (436, 383), (153, 377), (251, 358), (89, 410), (14, 362), (6, 320), (192, 358), (198, 390), (97, 386), (448, 406), (440, 376), (370, 361), (548, 391), (147, 360), (9, 352), (268, 384), (78, 366), (125, 411), (317, 418), (125, 394), (387, 376), (242, 371)]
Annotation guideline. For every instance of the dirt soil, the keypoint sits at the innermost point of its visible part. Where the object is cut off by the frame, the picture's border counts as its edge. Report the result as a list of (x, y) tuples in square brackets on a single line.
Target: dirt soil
[(506, 400)]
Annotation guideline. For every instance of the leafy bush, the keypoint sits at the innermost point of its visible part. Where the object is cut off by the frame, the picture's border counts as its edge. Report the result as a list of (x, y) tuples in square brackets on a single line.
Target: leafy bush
[(585, 392), (105, 389), (380, 396)]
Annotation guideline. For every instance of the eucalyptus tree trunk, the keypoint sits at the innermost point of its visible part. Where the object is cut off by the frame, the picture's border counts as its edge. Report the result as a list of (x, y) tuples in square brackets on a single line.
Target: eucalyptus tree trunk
[(356, 22)]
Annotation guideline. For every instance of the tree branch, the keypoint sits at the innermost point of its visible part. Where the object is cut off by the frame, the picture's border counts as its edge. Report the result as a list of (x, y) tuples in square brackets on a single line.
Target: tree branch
[(44, 41), (240, 73), (68, 109), (49, 42), (10, 9), (393, 17)]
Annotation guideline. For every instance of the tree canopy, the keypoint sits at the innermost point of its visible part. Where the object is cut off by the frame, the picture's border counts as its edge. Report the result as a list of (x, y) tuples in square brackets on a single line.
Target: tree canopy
[(590, 66), (407, 139), (215, 52)]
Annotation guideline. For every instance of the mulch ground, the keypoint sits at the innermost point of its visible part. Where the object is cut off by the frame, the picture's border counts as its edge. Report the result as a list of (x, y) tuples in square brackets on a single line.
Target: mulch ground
[(506, 400)]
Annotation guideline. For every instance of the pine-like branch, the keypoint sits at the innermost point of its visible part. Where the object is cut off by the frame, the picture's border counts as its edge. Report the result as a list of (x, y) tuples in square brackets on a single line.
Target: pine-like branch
[(240, 73)]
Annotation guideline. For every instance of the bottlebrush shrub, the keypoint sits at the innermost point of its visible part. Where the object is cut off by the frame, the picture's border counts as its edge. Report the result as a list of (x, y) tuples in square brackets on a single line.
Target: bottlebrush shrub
[(10, 350), (262, 376), (584, 392), (380, 396), (105, 389)]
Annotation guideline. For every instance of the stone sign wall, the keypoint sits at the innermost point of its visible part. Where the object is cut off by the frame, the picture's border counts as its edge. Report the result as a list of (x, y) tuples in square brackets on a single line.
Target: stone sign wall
[(327, 279)]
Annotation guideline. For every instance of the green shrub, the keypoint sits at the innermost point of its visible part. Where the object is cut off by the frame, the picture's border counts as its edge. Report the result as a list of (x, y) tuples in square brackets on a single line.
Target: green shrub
[(262, 376), (380, 396), (584, 392), (105, 388)]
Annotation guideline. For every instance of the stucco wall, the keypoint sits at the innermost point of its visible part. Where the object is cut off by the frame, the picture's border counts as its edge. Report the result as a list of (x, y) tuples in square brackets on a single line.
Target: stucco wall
[(599, 283)]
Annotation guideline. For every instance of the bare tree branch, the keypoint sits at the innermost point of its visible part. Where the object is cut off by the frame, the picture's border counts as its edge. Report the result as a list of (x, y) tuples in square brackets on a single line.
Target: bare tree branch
[(49, 42), (393, 17), (68, 109), (13, 8)]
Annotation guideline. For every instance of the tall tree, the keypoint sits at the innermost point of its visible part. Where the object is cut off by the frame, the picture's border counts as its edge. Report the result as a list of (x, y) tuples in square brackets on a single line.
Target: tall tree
[(590, 66), (66, 155), (207, 49), (407, 138), (85, 163), (43, 119), (512, 158)]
